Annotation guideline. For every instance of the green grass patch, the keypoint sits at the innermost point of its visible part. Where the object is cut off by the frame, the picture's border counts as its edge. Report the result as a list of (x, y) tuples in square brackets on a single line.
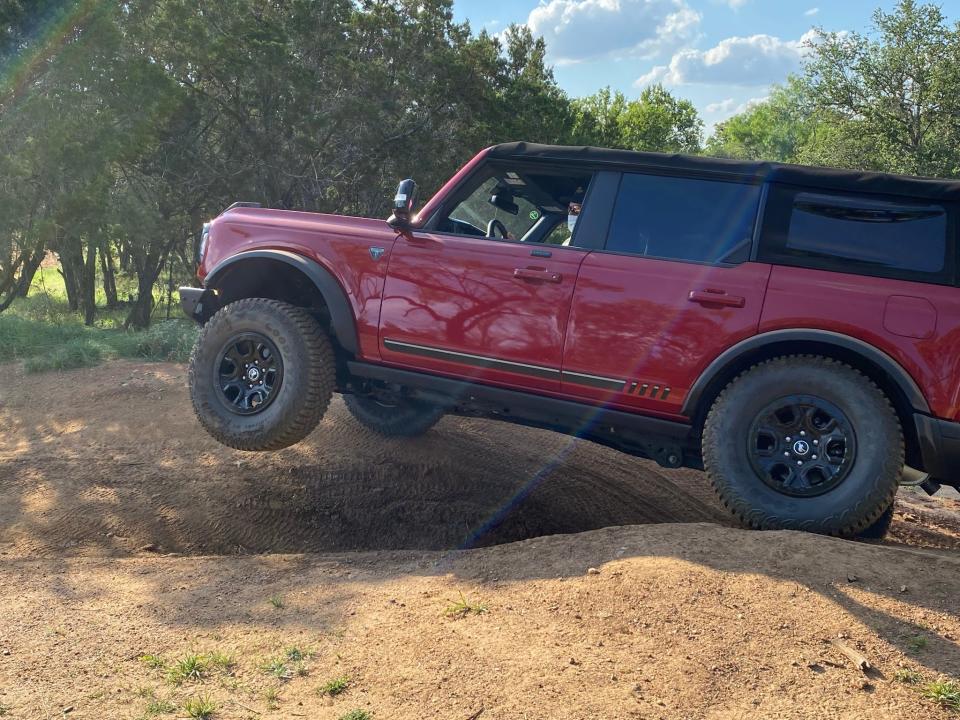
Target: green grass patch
[(42, 331), (916, 643), (356, 715), (463, 607), (276, 601), (46, 346), (192, 667), (908, 677), (160, 707), (199, 708), (153, 661), (334, 687), (944, 692)]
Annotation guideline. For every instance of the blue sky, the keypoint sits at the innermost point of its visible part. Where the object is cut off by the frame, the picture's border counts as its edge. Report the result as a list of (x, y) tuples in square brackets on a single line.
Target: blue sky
[(721, 54)]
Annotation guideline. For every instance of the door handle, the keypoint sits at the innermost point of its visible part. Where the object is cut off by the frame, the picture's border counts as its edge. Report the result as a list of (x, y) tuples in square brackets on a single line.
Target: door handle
[(537, 274), (716, 297)]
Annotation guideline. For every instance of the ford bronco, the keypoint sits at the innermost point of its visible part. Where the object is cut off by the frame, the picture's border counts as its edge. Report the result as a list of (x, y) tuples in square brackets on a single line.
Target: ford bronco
[(793, 331)]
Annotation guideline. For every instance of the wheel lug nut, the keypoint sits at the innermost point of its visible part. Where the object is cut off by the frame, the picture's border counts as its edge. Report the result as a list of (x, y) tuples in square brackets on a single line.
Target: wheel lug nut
[(816, 442), (803, 433), (786, 454), (799, 462), (814, 457), (789, 439)]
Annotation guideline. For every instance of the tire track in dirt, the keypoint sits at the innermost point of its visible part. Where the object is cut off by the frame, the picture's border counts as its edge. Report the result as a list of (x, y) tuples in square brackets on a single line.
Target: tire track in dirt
[(88, 471)]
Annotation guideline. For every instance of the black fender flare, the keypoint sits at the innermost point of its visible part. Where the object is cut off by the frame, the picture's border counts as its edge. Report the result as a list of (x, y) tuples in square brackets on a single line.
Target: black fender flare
[(342, 321), (893, 369)]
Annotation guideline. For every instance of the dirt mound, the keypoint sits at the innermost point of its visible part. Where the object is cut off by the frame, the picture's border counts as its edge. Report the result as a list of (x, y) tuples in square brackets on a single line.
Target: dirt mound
[(104, 474), (110, 461), (660, 621)]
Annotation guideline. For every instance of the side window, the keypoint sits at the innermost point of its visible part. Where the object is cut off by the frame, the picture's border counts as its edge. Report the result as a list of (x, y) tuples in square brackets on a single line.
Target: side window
[(708, 221), (528, 204), (857, 234), (474, 214)]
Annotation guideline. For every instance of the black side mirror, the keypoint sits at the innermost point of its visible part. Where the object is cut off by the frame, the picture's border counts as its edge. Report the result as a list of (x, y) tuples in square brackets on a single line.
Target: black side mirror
[(403, 204)]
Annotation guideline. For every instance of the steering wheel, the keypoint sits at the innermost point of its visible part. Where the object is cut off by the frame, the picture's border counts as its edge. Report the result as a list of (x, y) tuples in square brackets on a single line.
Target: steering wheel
[(495, 226)]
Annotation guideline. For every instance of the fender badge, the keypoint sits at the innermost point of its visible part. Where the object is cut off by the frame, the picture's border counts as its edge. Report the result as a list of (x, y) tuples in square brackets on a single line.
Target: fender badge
[(377, 252)]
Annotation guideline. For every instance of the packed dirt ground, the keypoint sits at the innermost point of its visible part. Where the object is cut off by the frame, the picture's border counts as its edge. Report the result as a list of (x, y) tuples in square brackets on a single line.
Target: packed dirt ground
[(590, 584)]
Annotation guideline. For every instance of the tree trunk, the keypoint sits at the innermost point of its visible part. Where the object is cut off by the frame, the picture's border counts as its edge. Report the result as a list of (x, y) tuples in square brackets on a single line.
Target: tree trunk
[(29, 271), (88, 285), (109, 276), (68, 265), (139, 315)]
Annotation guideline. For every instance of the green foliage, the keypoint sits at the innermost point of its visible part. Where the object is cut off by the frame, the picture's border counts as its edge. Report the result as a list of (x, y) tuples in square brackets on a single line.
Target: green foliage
[(775, 129), (77, 353), (199, 708), (655, 121), (356, 715), (192, 667), (907, 676), (334, 687), (276, 602), (160, 707), (463, 607), (153, 661), (887, 100), (944, 692)]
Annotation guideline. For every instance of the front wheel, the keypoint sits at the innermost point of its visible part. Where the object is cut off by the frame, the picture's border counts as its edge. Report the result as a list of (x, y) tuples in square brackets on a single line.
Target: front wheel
[(261, 375), (804, 443)]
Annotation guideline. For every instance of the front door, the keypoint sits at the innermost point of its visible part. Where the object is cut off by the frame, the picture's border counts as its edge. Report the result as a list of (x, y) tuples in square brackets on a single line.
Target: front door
[(484, 294), (671, 290)]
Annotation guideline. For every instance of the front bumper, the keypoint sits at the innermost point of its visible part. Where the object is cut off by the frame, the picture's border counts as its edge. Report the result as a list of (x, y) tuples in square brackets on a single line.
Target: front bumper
[(939, 448), (199, 304)]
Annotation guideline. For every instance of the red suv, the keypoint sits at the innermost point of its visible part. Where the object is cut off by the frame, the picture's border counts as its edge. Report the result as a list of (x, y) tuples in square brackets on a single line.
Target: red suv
[(794, 331)]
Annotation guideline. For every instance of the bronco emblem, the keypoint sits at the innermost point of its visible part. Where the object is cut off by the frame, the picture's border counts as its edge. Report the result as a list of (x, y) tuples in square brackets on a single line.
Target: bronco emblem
[(377, 252)]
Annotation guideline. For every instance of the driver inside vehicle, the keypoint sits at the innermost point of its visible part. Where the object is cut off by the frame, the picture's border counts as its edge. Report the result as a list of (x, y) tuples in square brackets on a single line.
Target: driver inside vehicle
[(536, 205)]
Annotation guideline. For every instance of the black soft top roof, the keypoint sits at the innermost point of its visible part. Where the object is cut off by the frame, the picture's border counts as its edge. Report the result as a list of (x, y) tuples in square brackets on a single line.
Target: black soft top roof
[(814, 177)]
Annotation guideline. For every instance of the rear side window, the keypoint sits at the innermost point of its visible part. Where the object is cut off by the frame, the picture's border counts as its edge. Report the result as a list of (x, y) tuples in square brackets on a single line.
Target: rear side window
[(858, 234), (690, 219)]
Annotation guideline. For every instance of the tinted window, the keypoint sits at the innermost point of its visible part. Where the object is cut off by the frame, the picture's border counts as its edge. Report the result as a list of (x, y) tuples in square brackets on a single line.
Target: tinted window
[(684, 218), (896, 236), (862, 234)]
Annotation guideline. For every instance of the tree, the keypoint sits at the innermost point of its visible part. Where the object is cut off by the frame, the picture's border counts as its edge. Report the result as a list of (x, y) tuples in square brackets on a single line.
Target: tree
[(889, 101), (655, 121), (776, 129)]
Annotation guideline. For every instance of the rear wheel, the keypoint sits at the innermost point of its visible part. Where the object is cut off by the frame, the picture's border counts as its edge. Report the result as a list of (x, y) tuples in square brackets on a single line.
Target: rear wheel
[(804, 443), (401, 417), (261, 375)]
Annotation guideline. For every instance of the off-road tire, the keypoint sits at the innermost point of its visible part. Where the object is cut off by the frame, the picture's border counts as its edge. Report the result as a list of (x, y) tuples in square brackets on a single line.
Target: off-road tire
[(406, 418), (880, 527), (309, 375), (847, 509)]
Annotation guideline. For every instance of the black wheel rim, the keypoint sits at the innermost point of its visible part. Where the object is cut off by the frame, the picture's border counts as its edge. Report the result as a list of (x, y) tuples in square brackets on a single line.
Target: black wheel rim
[(802, 446), (248, 373)]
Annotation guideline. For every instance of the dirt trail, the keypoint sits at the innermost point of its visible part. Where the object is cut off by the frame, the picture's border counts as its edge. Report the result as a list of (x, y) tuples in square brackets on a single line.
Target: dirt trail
[(109, 461), (125, 531)]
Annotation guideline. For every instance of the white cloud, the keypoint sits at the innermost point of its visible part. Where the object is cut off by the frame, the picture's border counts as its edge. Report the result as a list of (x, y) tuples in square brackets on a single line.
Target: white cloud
[(812, 11), (724, 106), (755, 61), (578, 30)]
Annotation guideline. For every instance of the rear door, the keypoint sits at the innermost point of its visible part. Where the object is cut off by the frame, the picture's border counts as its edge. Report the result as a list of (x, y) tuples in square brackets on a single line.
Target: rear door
[(672, 288), (489, 309)]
